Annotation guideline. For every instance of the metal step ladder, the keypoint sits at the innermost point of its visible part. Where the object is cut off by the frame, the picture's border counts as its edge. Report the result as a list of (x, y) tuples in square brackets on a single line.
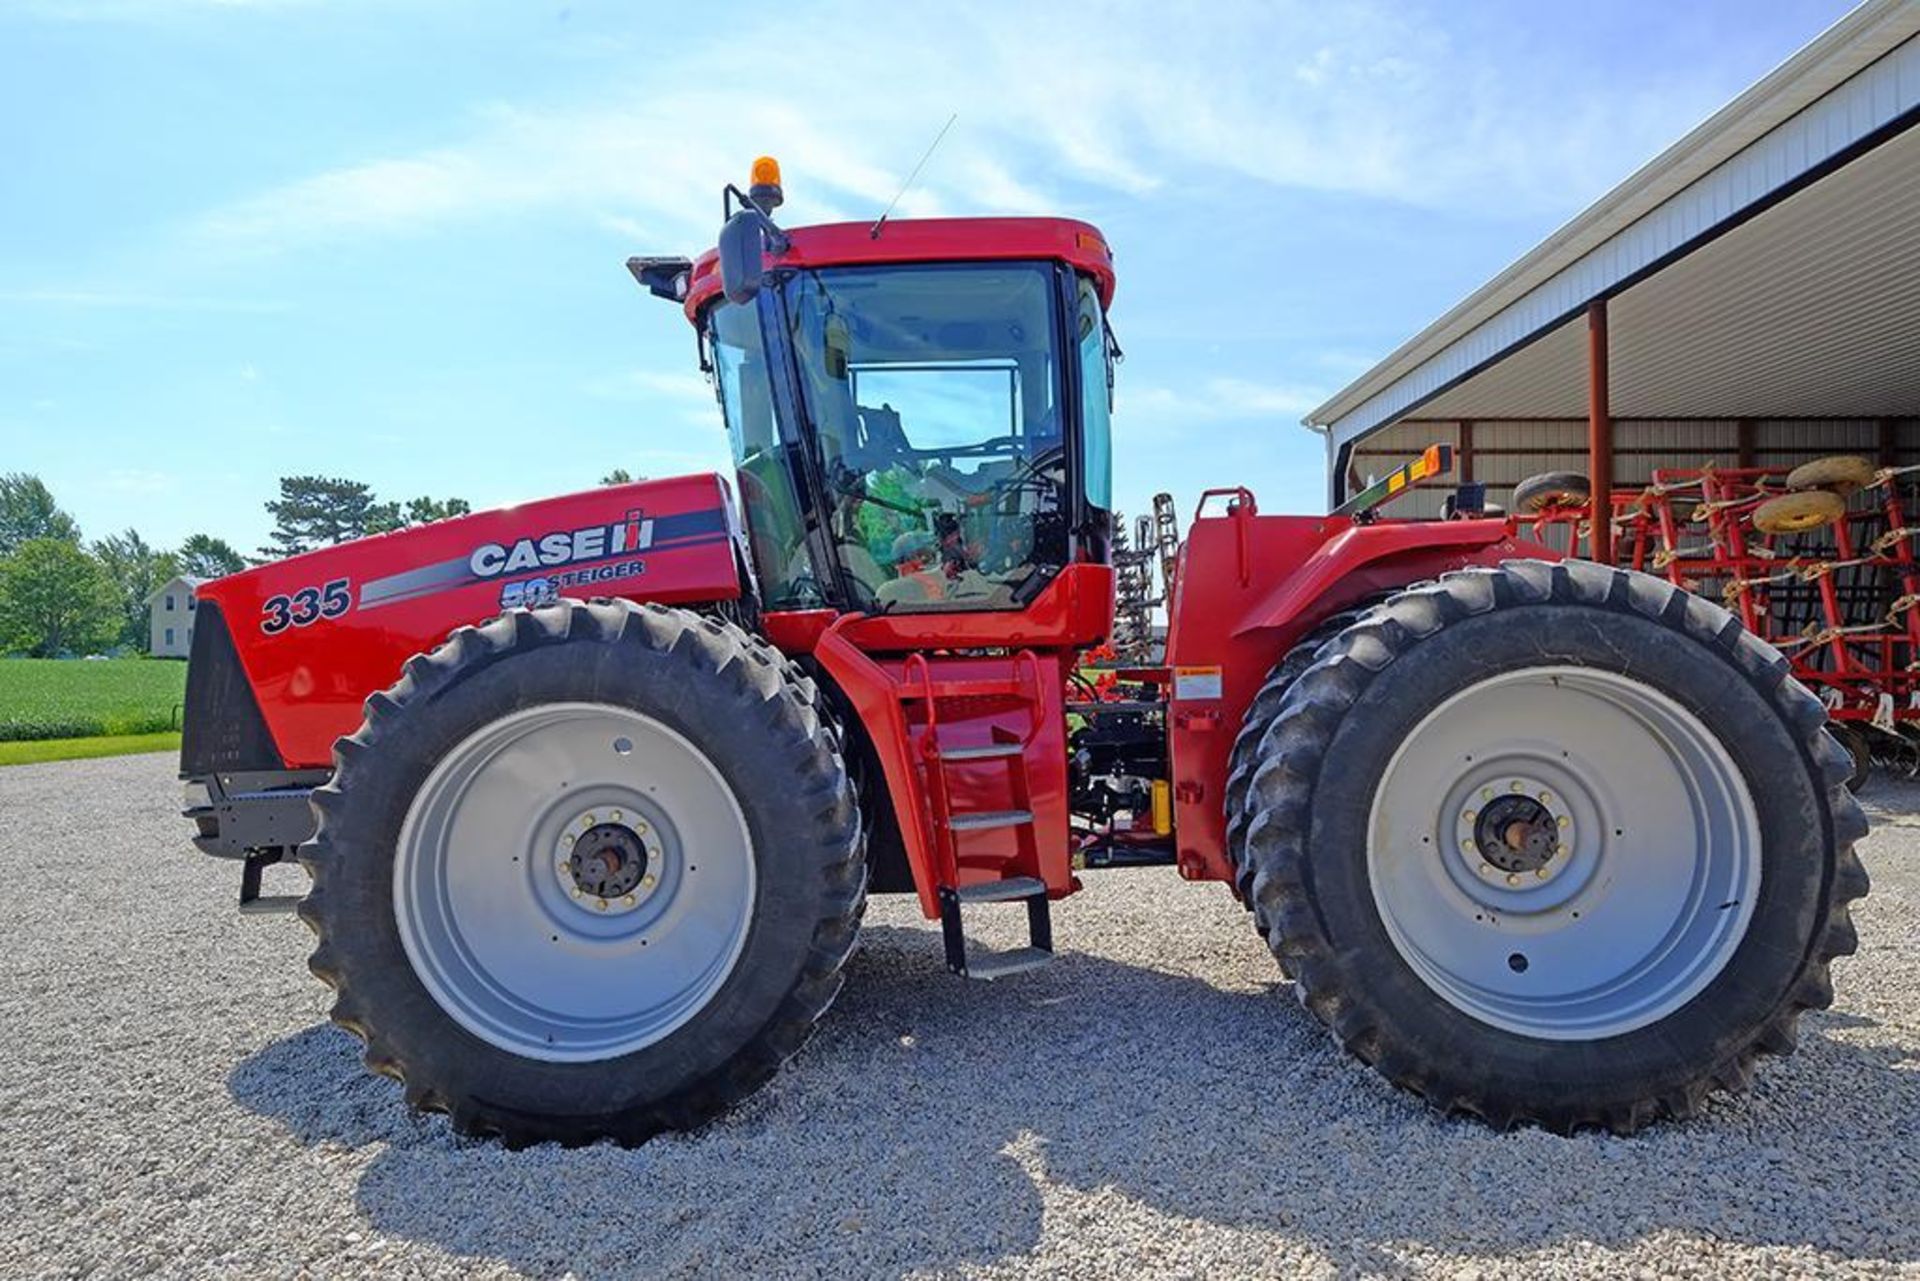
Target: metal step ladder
[(1030, 890), (950, 825)]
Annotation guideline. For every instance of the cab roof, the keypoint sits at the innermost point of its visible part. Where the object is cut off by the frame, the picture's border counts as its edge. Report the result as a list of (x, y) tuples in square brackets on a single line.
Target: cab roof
[(846, 244)]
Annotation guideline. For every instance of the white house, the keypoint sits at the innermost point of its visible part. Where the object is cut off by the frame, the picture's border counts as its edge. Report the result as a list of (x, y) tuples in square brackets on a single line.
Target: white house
[(170, 617)]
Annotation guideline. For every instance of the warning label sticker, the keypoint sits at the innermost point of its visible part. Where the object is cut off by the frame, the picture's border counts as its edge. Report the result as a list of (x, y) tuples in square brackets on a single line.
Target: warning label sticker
[(1191, 683)]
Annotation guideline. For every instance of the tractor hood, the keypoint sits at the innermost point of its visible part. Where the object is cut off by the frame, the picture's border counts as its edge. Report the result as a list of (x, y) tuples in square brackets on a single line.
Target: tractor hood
[(315, 634)]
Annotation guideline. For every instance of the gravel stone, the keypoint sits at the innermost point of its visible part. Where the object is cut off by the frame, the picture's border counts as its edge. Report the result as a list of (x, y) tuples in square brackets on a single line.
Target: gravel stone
[(172, 1101)]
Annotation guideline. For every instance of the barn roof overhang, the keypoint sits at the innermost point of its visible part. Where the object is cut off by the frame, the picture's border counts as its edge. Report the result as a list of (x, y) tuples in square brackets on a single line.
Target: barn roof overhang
[(1765, 265)]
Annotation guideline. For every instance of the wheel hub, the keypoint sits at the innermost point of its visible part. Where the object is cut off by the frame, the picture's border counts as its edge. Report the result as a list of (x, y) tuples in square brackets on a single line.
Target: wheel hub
[(606, 861), (1516, 833)]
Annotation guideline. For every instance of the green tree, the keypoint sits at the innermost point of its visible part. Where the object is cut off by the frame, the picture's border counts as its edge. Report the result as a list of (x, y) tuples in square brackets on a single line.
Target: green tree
[(417, 511), (318, 511), (56, 599), (618, 476), (204, 556), (136, 570), (27, 510)]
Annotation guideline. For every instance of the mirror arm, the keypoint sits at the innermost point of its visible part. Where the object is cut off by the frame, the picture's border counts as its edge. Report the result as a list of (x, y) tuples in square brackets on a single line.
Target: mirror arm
[(776, 239)]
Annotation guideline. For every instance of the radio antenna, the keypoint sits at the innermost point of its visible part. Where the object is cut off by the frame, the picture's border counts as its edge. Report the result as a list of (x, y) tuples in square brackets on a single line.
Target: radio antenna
[(873, 233)]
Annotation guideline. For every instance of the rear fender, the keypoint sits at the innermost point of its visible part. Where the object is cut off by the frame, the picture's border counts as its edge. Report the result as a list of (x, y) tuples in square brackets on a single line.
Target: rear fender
[(1244, 595), (1366, 560)]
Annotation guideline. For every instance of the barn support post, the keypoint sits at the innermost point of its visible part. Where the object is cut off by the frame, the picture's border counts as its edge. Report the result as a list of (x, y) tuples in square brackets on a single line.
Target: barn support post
[(1599, 436)]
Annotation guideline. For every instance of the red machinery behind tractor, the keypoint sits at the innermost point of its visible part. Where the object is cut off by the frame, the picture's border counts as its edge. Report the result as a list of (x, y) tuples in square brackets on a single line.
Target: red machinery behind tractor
[(592, 790)]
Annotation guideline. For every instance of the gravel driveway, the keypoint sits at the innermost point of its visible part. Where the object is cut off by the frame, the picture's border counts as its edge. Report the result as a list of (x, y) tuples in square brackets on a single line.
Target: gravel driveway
[(172, 1100)]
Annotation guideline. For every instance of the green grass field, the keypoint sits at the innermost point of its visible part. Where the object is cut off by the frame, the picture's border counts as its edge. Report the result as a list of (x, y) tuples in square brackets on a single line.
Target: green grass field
[(72, 749), (42, 698)]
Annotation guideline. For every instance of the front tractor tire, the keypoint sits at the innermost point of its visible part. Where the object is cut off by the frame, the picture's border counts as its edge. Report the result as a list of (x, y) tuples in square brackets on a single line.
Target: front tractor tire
[(587, 871), (1554, 844)]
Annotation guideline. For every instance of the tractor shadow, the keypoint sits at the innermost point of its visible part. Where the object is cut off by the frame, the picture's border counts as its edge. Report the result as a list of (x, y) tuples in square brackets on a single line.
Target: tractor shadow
[(932, 1124)]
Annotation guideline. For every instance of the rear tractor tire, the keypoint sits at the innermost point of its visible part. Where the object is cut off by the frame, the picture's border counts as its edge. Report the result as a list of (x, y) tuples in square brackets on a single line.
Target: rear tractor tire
[(1554, 844), (588, 871)]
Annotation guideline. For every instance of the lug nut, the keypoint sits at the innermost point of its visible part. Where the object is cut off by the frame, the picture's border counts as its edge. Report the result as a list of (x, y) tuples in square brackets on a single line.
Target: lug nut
[(586, 820), (576, 891), (1486, 793), (1565, 821), (1561, 850), (1518, 786), (627, 901), (1541, 873), (1513, 878), (1470, 816), (640, 826), (570, 838), (615, 816), (601, 904), (1546, 798), (1486, 869), (646, 882)]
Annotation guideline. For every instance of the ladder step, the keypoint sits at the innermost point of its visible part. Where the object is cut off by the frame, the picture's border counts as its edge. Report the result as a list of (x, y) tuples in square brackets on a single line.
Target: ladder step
[(1010, 890), (998, 965), (987, 819), (991, 752)]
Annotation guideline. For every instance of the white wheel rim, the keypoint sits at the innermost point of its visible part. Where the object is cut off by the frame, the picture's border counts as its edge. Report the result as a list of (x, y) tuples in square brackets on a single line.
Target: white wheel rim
[(1639, 902), (574, 882)]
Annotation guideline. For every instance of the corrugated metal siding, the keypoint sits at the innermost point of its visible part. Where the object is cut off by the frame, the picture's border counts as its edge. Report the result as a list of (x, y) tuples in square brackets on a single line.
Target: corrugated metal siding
[(1870, 100), (1506, 453)]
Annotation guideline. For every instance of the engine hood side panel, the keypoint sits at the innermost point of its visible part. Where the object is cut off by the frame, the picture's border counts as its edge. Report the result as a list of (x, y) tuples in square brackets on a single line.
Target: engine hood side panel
[(318, 632)]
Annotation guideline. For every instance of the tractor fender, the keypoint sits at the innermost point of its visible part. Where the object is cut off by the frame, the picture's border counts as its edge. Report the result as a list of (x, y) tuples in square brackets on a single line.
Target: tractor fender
[(1366, 560)]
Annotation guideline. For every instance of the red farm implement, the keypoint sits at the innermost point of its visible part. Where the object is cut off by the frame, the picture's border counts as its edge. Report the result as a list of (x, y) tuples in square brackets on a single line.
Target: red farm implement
[(1819, 560)]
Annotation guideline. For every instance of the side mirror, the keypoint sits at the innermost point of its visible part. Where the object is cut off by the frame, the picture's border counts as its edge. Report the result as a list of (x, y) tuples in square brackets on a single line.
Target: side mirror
[(742, 261)]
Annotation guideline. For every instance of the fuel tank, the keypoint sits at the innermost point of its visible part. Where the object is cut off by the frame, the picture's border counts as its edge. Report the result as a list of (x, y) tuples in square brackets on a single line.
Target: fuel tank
[(313, 635)]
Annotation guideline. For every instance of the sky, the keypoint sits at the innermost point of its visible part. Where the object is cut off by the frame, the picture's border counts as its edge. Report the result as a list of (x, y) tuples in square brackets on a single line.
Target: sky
[(384, 239)]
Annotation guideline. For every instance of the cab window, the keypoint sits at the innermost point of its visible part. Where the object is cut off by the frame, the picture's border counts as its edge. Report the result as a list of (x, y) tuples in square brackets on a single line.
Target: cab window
[(775, 529), (934, 397)]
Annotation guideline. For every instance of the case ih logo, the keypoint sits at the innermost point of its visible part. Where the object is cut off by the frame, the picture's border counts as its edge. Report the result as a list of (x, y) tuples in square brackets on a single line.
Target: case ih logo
[(562, 547), (540, 565)]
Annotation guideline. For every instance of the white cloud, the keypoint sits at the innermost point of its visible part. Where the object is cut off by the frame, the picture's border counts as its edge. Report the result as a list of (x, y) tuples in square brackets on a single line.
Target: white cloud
[(1149, 410), (1356, 98)]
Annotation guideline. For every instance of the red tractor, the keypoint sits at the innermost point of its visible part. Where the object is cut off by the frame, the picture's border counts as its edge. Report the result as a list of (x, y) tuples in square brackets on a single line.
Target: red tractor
[(593, 790)]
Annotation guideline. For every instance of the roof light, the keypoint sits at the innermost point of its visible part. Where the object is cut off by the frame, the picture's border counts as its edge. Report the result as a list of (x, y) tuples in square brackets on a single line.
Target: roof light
[(764, 184)]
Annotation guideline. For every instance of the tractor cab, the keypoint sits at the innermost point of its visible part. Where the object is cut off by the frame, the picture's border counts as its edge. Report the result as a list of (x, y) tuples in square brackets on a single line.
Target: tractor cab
[(918, 410)]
